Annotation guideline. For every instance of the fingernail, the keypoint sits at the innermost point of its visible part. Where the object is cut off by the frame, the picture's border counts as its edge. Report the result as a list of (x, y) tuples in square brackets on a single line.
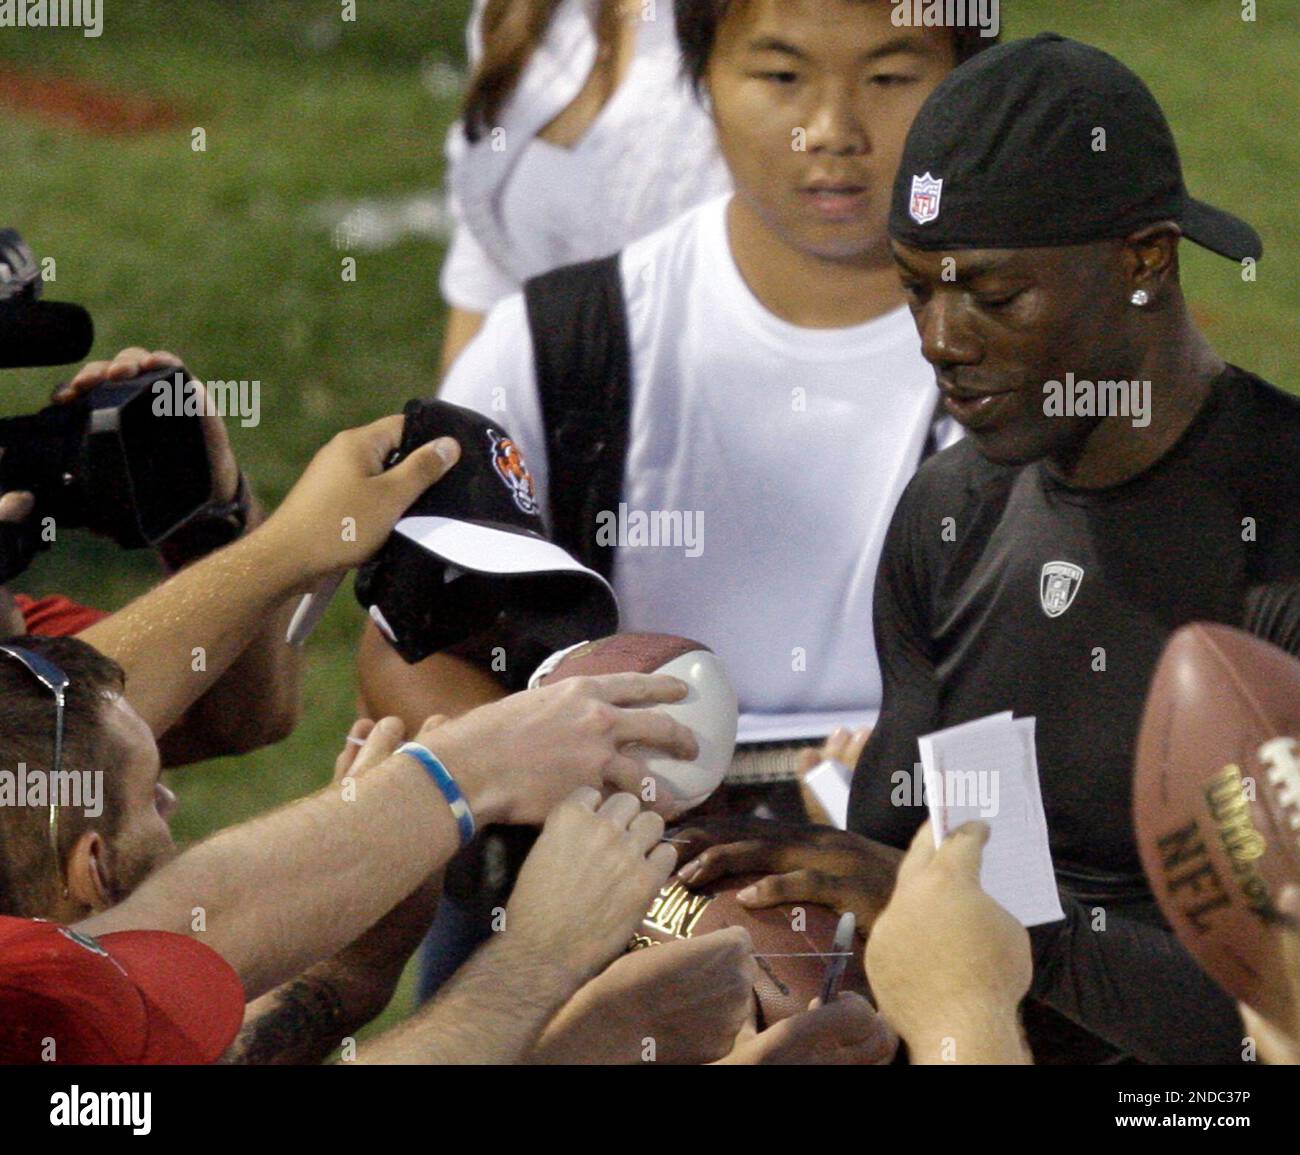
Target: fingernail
[(448, 449), (749, 894), (690, 870)]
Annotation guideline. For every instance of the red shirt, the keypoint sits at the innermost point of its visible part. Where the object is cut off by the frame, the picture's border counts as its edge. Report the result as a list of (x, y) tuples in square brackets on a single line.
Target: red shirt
[(57, 616)]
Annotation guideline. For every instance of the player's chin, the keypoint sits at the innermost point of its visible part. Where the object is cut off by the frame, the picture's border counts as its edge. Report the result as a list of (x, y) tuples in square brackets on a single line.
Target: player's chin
[(1008, 445), (1023, 436)]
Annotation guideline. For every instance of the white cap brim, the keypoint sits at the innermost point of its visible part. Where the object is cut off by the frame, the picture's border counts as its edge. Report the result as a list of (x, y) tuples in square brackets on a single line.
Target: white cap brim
[(462, 545), (482, 549)]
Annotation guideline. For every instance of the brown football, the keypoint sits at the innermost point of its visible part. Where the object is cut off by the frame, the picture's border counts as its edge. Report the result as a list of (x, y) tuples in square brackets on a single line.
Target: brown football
[(1216, 798), (616, 654), (792, 943)]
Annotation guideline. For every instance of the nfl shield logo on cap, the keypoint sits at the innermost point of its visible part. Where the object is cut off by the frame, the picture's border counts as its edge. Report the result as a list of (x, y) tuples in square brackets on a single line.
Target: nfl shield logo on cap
[(926, 194)]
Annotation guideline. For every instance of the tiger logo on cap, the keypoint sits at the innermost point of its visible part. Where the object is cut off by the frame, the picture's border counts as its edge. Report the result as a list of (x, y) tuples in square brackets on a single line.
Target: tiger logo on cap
[(510, 467)]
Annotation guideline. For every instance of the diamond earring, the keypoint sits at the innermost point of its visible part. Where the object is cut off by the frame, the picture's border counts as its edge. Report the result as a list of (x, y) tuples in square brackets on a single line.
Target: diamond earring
[(1140, 297)]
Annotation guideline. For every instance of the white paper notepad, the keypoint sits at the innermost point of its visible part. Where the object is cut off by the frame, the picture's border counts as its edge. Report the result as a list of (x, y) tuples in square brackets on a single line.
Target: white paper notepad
[(988, 770)]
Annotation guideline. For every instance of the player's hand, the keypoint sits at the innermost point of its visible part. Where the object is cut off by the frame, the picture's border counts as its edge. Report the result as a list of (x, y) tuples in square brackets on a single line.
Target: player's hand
[(835, 868), (976, 958), (134, 362), (689, 998), (345, 505), (847, 1031), (586, 884), (517, 758), (843, 746)]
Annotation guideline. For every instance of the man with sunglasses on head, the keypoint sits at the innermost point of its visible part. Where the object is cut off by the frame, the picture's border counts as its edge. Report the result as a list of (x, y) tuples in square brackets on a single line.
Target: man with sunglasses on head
[(83, 835)]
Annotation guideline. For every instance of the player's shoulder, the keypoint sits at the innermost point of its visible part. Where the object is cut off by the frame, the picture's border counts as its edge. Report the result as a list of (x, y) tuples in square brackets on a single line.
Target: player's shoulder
[(959, 475), (953, 497), (1265, 401), (1264, 428)]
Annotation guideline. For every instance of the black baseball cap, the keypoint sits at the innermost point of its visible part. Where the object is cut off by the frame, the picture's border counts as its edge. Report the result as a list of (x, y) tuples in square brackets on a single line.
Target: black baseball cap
[(472, 552), (1042, 143)]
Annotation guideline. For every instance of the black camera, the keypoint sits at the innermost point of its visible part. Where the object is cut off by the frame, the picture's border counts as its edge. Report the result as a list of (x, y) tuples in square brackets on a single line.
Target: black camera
[(115, 461)]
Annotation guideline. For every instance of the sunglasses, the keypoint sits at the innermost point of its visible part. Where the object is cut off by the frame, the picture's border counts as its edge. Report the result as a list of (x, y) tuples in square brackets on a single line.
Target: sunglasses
[(57, 682)]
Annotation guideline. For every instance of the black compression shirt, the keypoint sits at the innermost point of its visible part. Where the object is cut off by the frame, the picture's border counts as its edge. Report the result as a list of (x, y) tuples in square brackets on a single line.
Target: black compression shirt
[(1000, 588)]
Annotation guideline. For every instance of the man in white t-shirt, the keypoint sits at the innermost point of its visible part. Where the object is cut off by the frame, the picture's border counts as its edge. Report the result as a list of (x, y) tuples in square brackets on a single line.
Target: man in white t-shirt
[(779, 399), (784, 450)]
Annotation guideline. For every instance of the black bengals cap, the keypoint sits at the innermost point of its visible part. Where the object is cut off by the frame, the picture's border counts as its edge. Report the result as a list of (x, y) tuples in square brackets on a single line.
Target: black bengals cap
[(1047, 142), (472, 553)]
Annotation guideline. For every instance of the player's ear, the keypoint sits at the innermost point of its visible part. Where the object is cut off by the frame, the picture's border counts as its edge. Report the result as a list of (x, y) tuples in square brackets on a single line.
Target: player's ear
[(89, 882), (1150, 258)]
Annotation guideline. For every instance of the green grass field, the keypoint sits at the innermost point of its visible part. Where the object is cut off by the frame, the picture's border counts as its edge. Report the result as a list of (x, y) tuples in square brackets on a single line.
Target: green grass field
[(216, 254)]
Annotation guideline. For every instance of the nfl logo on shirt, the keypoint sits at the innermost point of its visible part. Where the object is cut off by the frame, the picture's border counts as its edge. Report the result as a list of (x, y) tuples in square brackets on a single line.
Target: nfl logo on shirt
[(1060, 583), (926, 194)]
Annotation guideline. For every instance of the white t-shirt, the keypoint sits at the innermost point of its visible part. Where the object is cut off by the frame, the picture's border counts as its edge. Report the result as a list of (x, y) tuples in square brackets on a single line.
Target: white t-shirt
[(780, 453), (650, 155)]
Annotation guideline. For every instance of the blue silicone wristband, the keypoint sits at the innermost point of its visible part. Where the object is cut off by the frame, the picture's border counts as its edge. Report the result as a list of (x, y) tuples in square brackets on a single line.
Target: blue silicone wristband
[(447, 784)]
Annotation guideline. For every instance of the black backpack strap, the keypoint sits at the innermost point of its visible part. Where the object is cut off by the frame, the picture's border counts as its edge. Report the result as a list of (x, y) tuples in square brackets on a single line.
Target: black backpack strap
[(578, 319)]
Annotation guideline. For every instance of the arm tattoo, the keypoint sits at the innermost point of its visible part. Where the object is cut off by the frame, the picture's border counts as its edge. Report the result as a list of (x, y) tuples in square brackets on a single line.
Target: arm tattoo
[(303, 1025)]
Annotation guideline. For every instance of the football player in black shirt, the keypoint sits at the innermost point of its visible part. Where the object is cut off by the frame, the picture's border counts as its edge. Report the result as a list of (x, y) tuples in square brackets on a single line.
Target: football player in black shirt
[(1119, 481)]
